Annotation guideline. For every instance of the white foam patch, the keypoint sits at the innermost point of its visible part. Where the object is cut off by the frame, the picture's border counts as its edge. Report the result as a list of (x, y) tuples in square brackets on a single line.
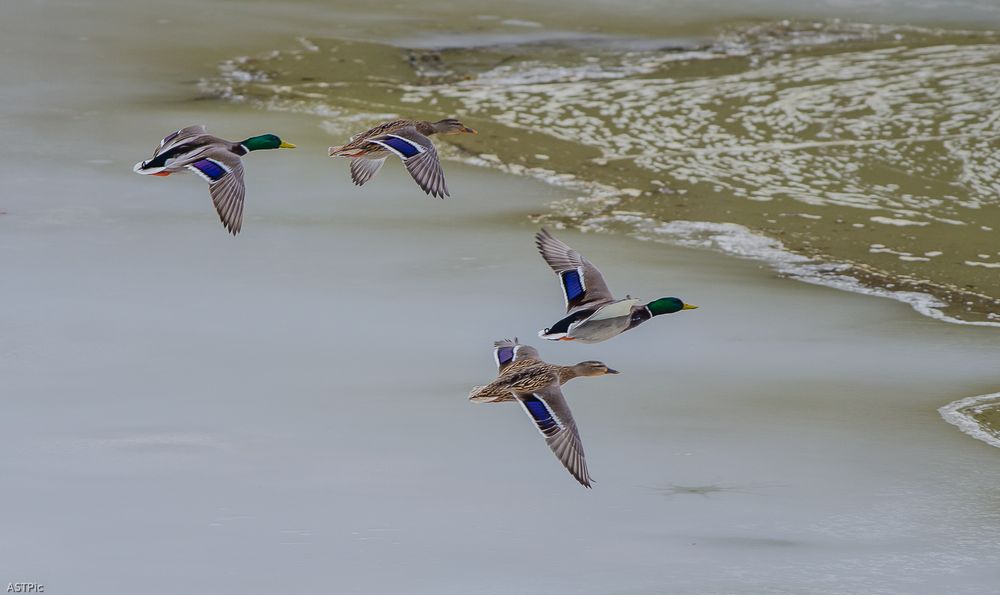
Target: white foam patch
[(955, 414), (520, 23), (897, 222), (307, 45)]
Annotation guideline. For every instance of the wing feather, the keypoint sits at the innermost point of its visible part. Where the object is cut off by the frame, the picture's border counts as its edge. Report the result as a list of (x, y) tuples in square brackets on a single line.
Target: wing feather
[(558, 429), (582, 283), (363, 170), (228, 191), (180, 136), (424, 166), (506, 352)]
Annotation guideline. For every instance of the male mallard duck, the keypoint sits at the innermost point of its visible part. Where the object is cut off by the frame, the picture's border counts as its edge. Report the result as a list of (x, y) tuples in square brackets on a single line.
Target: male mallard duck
[(215, 160), (593, 314), (406, 139), (524, 377)]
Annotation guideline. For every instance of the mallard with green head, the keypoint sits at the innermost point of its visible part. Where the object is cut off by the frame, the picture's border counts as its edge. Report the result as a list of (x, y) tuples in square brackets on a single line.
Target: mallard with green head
[(217, 161), (522, 376), (406, 139), (592, 313)]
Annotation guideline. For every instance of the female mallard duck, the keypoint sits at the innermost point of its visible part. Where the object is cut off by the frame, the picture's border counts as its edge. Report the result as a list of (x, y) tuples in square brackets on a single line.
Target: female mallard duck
[(593, 314), (524, 377), (406, 139), (215, 160)]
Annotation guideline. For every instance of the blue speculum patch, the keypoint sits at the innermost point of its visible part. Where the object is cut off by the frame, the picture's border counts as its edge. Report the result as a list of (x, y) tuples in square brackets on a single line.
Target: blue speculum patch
[(505, 354), (213, 170), (540, 413), (572, 284), (169, 138), (405, 149)]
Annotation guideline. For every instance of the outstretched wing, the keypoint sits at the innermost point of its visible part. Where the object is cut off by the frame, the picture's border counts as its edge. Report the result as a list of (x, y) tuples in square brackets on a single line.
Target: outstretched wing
[(223, 171), (505, 352), (178, 137), (363, 169), (418, 154), (582, 284), (548, 410)]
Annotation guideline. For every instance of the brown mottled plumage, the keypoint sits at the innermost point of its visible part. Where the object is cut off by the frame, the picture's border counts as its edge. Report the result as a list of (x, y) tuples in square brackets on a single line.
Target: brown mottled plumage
[(408, 140), (525, 378), (527, 375)]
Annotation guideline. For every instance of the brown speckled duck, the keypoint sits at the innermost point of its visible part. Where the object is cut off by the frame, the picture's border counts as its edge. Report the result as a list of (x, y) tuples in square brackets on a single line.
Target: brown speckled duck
[(406, 139), (525, 378)]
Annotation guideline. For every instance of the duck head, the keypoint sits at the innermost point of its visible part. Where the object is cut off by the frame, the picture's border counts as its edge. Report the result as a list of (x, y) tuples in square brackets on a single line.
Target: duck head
[(266, 141), (593, 368), (451, 126), (668, 305)]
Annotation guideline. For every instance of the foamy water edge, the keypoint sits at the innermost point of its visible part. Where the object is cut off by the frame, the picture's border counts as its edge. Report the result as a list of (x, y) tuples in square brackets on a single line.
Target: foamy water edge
[(952, 413)]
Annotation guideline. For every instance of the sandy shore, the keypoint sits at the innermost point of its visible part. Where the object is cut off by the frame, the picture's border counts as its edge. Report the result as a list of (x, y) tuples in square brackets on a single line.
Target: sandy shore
[(285, 411)]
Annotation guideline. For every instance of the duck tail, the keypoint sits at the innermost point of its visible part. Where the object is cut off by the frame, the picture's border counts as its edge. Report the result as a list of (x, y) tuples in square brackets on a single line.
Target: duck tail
[(547, 334), (140, 168), (488, 394)]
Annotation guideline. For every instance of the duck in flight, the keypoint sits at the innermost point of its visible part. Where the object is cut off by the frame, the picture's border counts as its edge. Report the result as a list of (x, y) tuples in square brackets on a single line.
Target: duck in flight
[(217, 161), (525, 378), (406, 139), (592, 313)]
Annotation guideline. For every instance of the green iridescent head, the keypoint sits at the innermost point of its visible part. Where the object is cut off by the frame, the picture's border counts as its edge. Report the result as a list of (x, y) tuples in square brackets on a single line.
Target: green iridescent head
[(266, 141), (668, 305)]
